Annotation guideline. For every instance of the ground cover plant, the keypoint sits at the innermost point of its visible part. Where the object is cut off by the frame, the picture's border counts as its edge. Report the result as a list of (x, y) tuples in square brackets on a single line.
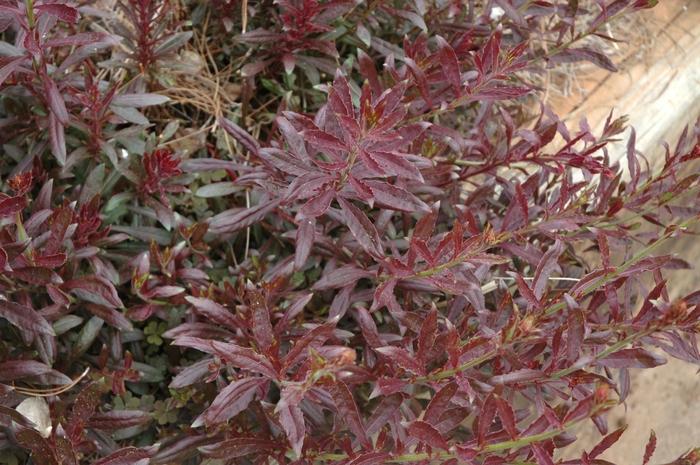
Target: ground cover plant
[(323, 232)]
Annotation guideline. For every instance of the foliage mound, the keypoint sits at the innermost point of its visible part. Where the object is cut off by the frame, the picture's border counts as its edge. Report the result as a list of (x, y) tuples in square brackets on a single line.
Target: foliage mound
[(323, 232)]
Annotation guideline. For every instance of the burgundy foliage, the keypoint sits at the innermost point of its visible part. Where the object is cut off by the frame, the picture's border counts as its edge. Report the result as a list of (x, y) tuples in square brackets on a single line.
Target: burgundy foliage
[(387, 251)]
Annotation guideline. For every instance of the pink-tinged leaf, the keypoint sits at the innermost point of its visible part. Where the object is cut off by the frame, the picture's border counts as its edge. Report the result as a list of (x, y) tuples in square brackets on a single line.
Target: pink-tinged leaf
[(231, 401), (111, 316), (41, 450), (19, 369), (65, 13), (125, 456), (240, 134), (55, 100), (12, 205), (541, 455), (118, 419), (347, 410), (240, 218), (632, 358), (95, 289), (606, 442), (427, 434), (384, 412), (545, 267), (450, 64), (574, 335), (212, 310), (368, 327), (319, 203), (192, 373), (304, 241), (427, 335), (238, 447), (526, 292), (571, 55), (25, 318), (83, 408), (439, 403), (311, 340), (292, 421), (322, 140), (9, 65), (396, 164), (341, 277), (260, 321), (485, 418), (507, 416), (650, 448), (420, 79), (361, 228), (402, 358), (388, 386), (240, 357), (395, 197)]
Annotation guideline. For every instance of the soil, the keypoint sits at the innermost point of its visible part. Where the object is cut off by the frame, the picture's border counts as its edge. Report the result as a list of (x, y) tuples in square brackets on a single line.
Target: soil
[(660, 91)]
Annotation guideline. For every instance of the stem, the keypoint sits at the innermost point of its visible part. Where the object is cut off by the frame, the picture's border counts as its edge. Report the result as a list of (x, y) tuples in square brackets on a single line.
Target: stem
[(29, 6)]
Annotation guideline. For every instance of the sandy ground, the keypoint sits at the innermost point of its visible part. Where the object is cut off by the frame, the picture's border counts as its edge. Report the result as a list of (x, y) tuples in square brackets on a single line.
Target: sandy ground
[(660, 91)]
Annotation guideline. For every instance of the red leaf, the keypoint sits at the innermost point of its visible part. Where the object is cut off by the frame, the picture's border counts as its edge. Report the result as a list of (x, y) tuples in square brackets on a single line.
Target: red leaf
[(424, 432), (125, 456), (118, 419), (340, 277), (507, 416), (304, 241), (386, 409), (632, 358), (526, 292), (111, 316), (402, 358), (25, 318), (313, 339), (211, 310), (83, 408), (240, 218), (55, 100), (292, 421), (606, 442), (240, 357), (650, 448), (260, 321), (396, 198), (63, 12), (231, 401), (240, 134), (238, 447), (541, 455), (322, 140), (95, 289), (347, 410), (571, 55), (439, 403), (450, 64), (41, 450), (361, 228), (574, 335), (428, 333), (12, 205), (545, 267), (318, 204)]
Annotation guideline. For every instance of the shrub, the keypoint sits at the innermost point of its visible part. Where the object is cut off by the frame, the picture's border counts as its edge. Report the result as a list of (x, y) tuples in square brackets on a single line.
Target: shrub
[(380, 248)]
